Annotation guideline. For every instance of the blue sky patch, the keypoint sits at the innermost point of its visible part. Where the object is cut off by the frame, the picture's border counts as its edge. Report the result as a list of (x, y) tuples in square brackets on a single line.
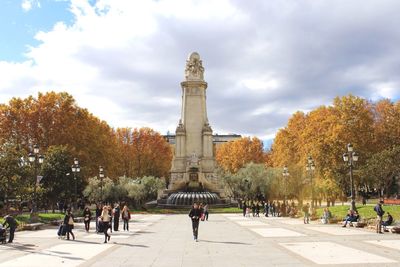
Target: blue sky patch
[(18, 27)]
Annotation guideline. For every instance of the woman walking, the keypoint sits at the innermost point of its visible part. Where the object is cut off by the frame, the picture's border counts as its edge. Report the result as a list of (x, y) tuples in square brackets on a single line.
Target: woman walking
[(126, 216), (87, 217), (195, 215), (106, 218), (69, 223)]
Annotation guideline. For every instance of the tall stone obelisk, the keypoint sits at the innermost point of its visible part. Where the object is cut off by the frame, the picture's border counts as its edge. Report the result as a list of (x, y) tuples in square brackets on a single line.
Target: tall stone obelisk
[(194, 163)]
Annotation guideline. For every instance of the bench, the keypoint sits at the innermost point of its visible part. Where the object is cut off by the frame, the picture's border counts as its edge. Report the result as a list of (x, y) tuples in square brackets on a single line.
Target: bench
[(32, 226), (56, 222), (79, 219), (391, 201)]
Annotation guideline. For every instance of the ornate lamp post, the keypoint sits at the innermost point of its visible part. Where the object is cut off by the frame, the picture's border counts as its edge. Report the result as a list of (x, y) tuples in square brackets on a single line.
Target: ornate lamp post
[(285, 174), (350, 157), (101, 175), (36, 159), (75, 169), (310, 167)]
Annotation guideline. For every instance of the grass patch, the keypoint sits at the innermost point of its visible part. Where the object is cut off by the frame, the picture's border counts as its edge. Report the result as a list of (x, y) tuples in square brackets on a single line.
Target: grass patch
[(366, 212)]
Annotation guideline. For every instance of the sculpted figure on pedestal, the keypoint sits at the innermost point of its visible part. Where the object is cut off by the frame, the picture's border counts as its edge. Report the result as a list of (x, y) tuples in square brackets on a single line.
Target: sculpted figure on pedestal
[(194, 68)]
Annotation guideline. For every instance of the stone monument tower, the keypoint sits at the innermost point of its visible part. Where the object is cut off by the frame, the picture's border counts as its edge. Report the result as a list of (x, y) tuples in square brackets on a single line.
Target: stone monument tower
[(193, 167), (194, 163)]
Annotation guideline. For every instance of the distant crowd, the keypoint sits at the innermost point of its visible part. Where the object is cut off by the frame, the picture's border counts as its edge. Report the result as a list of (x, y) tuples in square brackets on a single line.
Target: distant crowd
[(268, 208)]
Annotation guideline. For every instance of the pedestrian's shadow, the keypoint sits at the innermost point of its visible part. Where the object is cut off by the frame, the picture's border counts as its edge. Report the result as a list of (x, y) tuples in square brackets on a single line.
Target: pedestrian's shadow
[(130, 245), (83, 241), (23, 247), (227, 242)]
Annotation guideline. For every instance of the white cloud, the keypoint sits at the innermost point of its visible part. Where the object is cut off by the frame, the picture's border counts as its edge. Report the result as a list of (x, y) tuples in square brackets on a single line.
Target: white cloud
[(124, 60), (385, 90), (27, 5)]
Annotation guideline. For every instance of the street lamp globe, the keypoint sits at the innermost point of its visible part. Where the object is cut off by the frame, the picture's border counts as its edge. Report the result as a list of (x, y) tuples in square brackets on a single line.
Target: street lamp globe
[(76, 162), (346, 157), (73, 168), (36, 149), (31, 157), (285, 169), (78, 168), (41, 159), (101, 169), (101, 175), (355, 156), (349, 147)]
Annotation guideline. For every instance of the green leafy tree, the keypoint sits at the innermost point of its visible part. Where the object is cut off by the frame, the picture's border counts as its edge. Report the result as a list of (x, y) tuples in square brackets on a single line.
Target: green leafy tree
[(14, 174), (384, 170), (58, 183)]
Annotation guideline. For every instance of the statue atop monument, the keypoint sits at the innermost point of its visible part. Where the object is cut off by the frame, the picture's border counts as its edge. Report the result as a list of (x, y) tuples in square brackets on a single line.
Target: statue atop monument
[(194, 67)]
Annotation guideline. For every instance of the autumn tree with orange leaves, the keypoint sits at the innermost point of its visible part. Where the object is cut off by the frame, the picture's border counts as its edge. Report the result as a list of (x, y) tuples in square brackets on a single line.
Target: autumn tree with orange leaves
[(143, 152), (54, 120), (232, 156), (324, 132)]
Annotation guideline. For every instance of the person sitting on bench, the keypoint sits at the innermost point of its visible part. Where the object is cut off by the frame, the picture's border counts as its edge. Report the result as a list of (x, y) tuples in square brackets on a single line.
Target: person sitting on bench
[(388, 222), (352, 216)]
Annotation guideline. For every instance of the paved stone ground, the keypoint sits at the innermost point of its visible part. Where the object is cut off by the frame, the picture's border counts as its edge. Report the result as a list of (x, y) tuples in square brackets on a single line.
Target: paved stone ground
[(224, 240)]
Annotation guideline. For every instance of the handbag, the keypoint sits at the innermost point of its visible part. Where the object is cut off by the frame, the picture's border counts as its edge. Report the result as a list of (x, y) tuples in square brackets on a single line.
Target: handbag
[(70, 221)]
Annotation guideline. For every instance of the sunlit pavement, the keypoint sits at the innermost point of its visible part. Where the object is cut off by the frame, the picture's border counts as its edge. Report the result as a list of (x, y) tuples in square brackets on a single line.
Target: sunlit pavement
[(224, 240)]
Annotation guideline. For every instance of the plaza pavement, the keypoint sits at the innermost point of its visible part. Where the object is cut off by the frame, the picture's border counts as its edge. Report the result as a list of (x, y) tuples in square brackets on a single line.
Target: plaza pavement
[(225, 240)]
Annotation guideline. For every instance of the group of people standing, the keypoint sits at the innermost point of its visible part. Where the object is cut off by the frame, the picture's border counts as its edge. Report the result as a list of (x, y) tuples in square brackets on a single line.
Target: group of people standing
[(275, 209), (105, 216), (198, 213)]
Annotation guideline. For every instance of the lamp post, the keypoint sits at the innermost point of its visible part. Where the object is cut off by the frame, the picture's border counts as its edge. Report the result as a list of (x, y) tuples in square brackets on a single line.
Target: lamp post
[(75, 169), (36, 159), (310, 167), (285, 174), (101, 175), (350, 157)]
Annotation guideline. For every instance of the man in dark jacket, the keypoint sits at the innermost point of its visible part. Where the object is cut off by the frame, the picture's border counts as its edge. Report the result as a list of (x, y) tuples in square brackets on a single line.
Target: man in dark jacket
[(195, 215), (99, 209), (10, 222), (379, 215), (117, 214)]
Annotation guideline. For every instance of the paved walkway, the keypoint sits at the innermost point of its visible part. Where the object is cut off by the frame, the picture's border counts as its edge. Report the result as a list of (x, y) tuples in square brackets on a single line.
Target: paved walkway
[(225, 240)]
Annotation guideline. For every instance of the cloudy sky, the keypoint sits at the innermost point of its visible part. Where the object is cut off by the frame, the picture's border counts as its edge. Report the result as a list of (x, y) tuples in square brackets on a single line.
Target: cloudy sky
[(124, 59)]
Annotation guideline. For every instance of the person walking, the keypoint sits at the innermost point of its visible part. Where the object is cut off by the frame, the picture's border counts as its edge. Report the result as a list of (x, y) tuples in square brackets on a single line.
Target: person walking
[(105, 219), (266, 208), (195, 215), (110, 212), (206, 212), (117, 213), (99, 209), (244, 208), (379, 215), (87, 217), (126, 216), (69, 224), (306, 211), (10, 222)]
